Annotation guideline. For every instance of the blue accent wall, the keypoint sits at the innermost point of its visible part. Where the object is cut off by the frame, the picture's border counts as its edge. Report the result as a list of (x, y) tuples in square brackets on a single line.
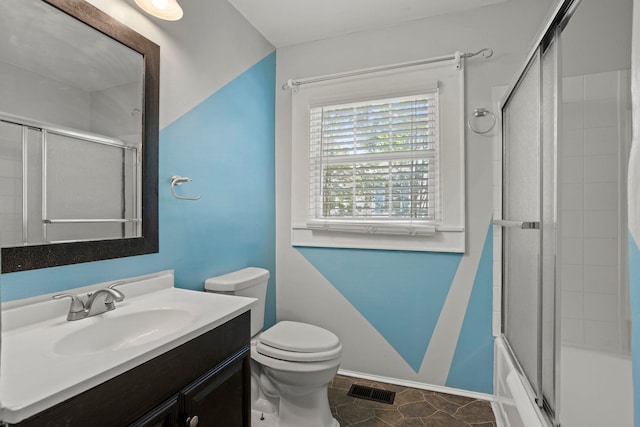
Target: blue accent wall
[(226, 145), (634, 294), (472, 365), (400, 293)]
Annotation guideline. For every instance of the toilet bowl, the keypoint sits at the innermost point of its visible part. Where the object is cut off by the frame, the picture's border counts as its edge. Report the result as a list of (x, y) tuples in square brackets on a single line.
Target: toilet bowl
[(292, 363)]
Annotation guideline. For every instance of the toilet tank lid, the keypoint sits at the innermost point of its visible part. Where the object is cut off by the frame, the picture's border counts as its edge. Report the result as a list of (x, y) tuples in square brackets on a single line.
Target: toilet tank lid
[(237, 280)]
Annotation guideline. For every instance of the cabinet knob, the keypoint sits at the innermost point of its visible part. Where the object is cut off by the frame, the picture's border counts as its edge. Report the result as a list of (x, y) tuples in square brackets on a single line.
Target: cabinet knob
[(192, 421)]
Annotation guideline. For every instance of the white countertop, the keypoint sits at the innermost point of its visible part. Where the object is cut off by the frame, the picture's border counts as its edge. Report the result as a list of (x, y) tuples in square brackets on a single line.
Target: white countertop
[(35, 376)]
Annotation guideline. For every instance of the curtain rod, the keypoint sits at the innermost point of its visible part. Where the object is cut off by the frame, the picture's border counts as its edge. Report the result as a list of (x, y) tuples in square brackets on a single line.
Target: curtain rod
[(486, 52)]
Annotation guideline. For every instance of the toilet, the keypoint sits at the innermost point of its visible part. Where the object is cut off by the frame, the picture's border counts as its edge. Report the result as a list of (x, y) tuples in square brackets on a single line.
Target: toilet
[(292, 363)]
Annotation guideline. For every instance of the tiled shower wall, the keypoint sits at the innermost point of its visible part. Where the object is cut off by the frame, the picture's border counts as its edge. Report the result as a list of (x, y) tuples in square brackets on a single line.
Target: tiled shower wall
[(595, 136), (595, 131), (10, 187)]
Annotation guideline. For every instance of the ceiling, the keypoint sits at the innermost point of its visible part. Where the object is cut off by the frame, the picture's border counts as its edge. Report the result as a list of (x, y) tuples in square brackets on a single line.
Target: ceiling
[(39, 38), (290, 22)]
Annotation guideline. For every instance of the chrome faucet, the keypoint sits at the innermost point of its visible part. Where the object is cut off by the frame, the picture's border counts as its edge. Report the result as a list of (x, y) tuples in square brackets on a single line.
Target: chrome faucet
[(102, 300), (97, 302)]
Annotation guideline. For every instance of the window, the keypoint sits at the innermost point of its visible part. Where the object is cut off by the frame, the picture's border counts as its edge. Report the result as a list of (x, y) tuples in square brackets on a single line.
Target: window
[(373, 165), (378, 162)]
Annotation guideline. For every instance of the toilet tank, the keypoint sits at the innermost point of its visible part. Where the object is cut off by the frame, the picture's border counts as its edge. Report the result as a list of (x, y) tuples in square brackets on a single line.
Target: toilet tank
[(248, 282)]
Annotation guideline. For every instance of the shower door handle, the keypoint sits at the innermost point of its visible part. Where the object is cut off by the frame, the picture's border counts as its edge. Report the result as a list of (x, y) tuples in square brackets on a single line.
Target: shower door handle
[(524, 225)]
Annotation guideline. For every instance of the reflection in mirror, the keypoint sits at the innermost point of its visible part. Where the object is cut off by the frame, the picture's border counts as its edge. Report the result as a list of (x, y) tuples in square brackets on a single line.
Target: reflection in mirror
[(78, 102), (70, 129)]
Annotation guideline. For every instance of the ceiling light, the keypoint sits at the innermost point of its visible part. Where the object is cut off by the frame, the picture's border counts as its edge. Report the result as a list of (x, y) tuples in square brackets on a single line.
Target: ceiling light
[(168, 10)]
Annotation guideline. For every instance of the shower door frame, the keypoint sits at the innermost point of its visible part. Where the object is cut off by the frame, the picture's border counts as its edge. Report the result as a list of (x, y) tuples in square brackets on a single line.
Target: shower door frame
[(548, 36), (532, 225)]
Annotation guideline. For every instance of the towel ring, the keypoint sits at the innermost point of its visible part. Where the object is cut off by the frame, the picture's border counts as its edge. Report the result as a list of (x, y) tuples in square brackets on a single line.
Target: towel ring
[(478, 113), (178, 180)]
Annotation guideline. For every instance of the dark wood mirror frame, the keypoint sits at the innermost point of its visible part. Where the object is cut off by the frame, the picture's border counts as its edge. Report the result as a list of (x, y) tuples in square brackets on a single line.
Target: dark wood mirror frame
[(51, 255)]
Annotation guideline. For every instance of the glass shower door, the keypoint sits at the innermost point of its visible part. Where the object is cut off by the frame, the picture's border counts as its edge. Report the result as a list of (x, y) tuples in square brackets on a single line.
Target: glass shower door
[(530, 224), (521, 222)]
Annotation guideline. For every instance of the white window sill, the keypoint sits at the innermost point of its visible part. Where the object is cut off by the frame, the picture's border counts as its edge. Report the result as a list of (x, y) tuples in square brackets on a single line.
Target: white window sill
[(443, 239)]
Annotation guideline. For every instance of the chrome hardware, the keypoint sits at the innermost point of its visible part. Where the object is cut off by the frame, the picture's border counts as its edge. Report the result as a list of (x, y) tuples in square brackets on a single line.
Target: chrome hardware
[(178, 180), (111, 305), (479, 113), (87, 221), (97, 302), (102, 300), (192, 421), (76, 310), (524, 225), (118, 283)]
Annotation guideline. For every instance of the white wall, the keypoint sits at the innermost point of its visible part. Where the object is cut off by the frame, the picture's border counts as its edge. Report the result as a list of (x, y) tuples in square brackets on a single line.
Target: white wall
[(303, 293)]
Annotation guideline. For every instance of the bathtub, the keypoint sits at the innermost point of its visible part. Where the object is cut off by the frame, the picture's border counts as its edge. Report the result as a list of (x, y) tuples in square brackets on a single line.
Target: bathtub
[(513, 406), (596, 389)]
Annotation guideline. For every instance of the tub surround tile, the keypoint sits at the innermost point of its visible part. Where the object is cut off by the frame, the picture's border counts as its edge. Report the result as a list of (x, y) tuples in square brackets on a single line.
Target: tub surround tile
[(572, 278), (601, 335), (573, 251), (602, 252), (573, 170), (573, 115), (601, 86), (600, 141), (573, 89), (574, 224), (573, 196), (602, 168), (601, 224), (601, 196), (600, 279), (601, 113), (590, 140), (573, 142), (572, 331), (602, 307), (572, 305)]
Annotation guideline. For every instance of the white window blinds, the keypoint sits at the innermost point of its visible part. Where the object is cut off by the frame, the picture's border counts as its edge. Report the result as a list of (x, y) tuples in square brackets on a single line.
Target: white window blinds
[(374, 165)]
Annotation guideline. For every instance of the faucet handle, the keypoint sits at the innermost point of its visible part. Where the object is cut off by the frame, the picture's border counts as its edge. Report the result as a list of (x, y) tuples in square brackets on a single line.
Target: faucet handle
[(76, 310), (118, 283), (109, 302)]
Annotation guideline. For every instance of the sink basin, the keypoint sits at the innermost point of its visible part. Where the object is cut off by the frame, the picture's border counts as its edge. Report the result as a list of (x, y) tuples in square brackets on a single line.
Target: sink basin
[(122, 331)]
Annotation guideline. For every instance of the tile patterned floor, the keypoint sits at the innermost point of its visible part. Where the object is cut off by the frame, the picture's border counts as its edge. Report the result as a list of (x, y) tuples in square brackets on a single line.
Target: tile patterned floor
[(411, 408)]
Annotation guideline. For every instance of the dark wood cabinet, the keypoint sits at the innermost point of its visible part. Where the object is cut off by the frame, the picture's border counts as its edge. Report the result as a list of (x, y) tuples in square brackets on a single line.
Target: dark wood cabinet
[(164, 415), (208, 377), (218, 399)]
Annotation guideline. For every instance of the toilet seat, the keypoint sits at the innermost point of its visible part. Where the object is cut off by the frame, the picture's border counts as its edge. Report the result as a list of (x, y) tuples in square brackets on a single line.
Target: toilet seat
[(299, 342)]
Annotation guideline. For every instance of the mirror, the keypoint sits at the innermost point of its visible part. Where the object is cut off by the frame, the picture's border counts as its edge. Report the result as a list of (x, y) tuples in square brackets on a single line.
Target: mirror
[(78, 136)]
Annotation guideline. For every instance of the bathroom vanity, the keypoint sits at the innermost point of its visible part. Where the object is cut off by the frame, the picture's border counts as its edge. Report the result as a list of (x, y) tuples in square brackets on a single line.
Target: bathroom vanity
[(139, 370)]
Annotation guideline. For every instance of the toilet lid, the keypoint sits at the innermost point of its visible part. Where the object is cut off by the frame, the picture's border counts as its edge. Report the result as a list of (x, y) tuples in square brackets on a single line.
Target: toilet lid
[(295, 341)]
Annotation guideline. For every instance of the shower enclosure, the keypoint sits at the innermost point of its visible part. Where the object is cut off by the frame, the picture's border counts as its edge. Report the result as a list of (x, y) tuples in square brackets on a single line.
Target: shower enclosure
[(59, 184), (565, 140)]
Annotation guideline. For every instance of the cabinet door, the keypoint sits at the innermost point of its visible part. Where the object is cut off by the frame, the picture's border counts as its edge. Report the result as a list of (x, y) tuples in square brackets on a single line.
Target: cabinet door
[(218, 398), (164, 415)]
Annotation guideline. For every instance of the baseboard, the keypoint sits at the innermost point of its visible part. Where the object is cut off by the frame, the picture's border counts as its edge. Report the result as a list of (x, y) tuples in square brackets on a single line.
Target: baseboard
[(421, 386)]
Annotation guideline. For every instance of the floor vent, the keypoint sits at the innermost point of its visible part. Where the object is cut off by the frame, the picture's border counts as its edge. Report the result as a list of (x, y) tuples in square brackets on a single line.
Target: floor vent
[(370, 393)]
